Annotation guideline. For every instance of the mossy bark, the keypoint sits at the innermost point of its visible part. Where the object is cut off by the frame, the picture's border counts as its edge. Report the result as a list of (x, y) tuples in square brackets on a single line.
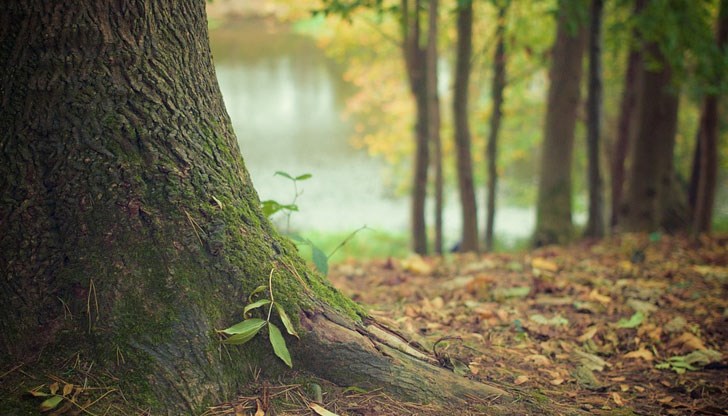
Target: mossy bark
[(131, 229)]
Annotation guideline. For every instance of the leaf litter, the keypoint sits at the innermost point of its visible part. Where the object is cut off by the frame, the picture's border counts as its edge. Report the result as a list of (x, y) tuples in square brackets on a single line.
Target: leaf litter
[(633, 323)]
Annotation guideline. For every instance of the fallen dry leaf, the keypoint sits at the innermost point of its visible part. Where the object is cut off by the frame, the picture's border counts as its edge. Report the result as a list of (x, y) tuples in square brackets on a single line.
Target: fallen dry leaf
[(688, 342), (520, 380), (596, 296), (641, 353), (320, 410), (545, 265), (588, 334), (538, 359)]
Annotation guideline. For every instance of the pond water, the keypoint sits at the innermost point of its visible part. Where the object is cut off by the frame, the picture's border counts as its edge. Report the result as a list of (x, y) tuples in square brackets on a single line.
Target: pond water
[(286, 98)]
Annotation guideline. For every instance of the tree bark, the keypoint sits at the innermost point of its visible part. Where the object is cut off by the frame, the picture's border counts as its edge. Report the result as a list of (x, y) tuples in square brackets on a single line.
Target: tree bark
[(553, 209), (627, 124), (491, 152), (466, 187), (415, 62), (649, 199), (626, 131), (433, 117), (595, 222), (131, 229), (705, 161)]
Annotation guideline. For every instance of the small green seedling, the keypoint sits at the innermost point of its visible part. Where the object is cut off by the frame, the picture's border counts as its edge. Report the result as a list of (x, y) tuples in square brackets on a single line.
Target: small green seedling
[(271, 207), (248, 328)]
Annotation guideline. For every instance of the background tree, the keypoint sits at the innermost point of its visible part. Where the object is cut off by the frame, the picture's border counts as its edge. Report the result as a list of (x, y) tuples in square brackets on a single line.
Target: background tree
[(124, 202), (415, 56), (595, 220), (433, 117), (627, 122), (705, 160), (553, 208), (499, 83), (466, 187), (675, 35), (650, 175)]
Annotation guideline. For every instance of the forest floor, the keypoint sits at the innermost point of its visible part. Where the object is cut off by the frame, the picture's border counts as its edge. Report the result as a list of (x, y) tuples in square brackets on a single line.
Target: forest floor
[(631, 325)]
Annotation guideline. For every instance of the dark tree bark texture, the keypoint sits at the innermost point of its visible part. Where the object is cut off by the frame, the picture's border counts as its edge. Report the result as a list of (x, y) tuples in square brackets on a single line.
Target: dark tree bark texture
[(627, 124), (415, 62), (466, 186), (553, 209), (131, 230), (705, 161), (433, 117), (491, 151), (595, 222), (650, 197)]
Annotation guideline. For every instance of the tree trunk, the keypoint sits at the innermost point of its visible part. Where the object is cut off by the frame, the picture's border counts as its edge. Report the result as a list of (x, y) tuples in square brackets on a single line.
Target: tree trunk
[(627, 124), (553, 209), (491, 152), (649, 197), (705, 161), (415, 61), (595, 222), (469, 237), (626, 131), (433, 117), (131, 229)]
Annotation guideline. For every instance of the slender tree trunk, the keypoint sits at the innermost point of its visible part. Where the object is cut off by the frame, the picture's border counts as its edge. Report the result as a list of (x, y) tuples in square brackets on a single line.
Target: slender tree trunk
[(553, 209), (648, 200), (705, 161), (491, 152), (595, 221), (131, 230), (433, 117), (466, 186), (627, 124), (626, 130), (415, 61)]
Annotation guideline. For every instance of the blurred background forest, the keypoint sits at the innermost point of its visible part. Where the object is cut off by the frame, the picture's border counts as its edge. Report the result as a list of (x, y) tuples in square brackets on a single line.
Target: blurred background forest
[(588, 115)]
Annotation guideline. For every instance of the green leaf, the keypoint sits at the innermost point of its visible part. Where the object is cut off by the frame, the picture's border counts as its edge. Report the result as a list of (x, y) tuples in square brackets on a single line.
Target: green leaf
[(298, 239), (256, 304), (633, 322), (255, 291), (303, 177), (286, 321), (279, 344), (284, 174), (320, 260), (244, 331), (355, 389), (50, 403), (270, 207)]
